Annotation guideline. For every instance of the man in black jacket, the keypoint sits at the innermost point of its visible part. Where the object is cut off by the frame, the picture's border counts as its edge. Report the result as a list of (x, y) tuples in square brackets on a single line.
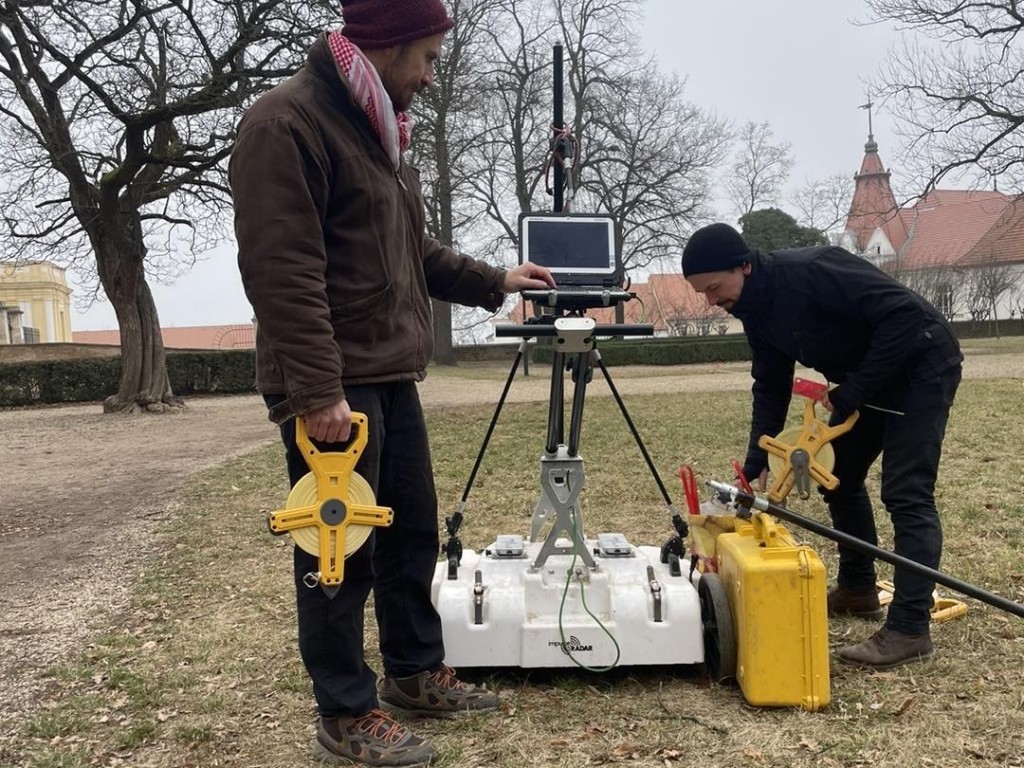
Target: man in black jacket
[(893, 358)]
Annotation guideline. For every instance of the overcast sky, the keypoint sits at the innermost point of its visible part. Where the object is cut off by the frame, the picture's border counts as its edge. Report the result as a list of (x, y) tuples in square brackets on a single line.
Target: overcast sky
[(799, 65)]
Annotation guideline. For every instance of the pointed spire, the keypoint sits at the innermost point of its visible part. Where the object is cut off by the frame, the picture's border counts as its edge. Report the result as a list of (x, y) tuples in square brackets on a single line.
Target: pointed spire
[(871, 131), (871, 146), (874, 204)]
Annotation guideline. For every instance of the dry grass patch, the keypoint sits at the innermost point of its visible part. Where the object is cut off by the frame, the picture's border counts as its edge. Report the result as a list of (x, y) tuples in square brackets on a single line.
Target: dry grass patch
[(204, 670)]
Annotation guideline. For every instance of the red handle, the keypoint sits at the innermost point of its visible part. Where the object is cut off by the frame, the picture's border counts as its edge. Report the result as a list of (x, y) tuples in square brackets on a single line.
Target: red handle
[(812, 389), (689, 480), (744, 483)]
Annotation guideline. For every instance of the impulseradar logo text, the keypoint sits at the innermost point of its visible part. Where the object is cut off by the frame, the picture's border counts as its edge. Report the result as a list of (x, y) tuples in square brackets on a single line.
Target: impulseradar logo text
[(570, 646)]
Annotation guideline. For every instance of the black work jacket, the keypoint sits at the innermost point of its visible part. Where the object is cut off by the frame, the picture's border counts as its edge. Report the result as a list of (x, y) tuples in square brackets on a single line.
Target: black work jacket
[(837, 313)]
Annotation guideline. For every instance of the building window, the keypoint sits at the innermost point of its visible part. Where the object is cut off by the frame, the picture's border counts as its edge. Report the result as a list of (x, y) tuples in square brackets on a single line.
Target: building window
[(944, 300)]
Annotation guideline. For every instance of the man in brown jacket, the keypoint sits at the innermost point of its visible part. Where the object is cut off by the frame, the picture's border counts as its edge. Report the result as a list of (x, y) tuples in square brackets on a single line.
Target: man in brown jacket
[(339, 270)]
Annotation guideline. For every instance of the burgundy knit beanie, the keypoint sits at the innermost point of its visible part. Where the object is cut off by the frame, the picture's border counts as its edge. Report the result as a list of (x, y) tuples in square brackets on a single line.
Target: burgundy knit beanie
[(386, 23)]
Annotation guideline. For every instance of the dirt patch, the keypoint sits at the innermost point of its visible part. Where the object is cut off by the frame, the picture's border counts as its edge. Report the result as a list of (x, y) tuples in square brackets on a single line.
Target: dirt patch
[(81, 495)]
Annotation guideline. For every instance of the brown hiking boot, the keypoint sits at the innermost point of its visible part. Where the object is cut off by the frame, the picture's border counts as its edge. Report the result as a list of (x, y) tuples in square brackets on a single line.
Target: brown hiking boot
[(434, 694), (888, 648), (861, 602), (370, 739)]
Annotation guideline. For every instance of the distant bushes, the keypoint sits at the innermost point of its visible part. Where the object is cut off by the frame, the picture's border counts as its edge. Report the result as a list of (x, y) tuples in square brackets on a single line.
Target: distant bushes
[(233, 371), (76, 381), (679, 350)]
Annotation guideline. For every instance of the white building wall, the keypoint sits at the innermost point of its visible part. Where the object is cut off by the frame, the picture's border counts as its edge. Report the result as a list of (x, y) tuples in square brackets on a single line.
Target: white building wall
[(878, 248), (1013, 300)]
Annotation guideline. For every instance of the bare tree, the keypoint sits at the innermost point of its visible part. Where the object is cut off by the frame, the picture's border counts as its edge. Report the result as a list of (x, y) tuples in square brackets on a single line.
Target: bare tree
[(824, 204), (985, 283), (644, 154), (695, 319), (651, 163), (760, 169), (508, 169), (940, 284), (955, 91), (450, 125), (117, 119), (1017, 299)]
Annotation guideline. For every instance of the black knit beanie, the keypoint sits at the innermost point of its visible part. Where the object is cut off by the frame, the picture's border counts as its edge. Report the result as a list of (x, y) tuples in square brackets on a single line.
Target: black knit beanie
[(714, 248)]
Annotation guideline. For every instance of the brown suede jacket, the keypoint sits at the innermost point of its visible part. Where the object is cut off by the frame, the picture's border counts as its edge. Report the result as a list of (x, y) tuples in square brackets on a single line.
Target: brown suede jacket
[(332, 246)]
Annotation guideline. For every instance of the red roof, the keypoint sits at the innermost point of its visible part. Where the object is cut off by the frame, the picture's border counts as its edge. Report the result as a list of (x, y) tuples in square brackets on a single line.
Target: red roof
[(1004, 241), (185, 337), (947, 225)]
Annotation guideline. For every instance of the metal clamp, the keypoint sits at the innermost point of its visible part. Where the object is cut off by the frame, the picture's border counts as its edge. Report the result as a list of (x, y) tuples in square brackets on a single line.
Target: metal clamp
[(478, 598), (575, 334), (655, 593)]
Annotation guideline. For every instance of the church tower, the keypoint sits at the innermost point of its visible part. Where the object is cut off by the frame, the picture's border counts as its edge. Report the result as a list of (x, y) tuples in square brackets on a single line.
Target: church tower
[(874, 228)]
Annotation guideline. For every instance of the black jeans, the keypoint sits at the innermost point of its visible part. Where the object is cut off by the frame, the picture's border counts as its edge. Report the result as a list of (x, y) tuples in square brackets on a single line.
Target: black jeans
[(911, 446), (397, 562)]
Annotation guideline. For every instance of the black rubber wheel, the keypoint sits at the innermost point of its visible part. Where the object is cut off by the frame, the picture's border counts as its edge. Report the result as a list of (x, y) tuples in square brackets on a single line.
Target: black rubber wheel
[(719, 634)]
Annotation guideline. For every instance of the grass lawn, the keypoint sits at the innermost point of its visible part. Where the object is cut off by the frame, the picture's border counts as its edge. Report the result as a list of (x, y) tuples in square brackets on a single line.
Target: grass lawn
[(204, 670)]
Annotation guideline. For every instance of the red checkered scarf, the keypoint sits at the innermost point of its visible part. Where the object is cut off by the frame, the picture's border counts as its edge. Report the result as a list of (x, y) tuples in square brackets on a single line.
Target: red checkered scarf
[(394, 129)]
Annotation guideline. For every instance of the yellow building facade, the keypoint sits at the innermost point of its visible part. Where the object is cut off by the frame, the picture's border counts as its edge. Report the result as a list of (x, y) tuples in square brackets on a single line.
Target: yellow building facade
[(39, 291)]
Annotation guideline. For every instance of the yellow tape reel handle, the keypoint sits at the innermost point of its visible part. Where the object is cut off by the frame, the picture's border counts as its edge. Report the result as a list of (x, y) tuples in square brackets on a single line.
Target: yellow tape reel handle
[(813, 436), (329, 513), (943, 608)]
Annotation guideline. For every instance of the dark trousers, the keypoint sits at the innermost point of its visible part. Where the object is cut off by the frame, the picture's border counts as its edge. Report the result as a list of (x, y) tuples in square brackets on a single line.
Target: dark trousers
[(911, 446), (397, 562)]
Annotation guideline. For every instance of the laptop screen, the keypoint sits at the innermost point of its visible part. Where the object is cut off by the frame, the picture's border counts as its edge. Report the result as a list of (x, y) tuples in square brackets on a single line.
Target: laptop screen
[(578, 249)]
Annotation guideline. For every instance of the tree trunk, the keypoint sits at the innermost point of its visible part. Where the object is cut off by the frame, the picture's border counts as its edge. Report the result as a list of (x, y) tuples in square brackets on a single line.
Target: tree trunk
[(444, 350), (144, 385)]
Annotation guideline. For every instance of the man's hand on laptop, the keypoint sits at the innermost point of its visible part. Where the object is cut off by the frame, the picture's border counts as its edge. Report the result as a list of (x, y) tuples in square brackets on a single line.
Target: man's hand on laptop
[(527, 277)]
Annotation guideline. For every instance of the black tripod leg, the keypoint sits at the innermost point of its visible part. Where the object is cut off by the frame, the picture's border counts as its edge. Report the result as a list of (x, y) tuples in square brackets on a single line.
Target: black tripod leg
[(556, 406), (632, 428), (453, 547), (581, 367), (494, 419)]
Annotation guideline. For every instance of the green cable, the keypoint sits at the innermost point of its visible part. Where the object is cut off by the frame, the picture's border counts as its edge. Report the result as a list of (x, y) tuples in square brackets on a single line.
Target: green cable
[(561, 609)]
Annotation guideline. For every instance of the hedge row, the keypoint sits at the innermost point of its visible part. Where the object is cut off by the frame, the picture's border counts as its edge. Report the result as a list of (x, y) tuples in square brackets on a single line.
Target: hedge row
[(77, 381), (986, 329), (670, 351)]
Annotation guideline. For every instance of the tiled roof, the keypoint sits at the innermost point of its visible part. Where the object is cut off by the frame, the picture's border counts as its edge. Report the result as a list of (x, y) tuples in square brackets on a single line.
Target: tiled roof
[(947, 225), (1003, 243), (185, 337)]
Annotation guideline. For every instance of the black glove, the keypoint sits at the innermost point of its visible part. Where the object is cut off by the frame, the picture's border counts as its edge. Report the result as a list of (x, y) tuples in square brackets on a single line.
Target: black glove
[(844, 402)]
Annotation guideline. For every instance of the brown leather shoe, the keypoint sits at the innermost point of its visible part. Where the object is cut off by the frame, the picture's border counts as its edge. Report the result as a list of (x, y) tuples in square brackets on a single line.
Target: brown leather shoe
[(888, 648), (370, 739), (861, 603)]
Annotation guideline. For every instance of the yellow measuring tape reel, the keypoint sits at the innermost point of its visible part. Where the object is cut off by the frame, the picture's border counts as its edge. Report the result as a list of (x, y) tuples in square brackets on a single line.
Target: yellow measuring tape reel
[(812, 441), (331, 511)]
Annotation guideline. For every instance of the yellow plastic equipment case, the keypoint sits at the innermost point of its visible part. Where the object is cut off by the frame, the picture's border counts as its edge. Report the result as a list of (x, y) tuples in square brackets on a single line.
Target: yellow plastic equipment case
[(776, 591)]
